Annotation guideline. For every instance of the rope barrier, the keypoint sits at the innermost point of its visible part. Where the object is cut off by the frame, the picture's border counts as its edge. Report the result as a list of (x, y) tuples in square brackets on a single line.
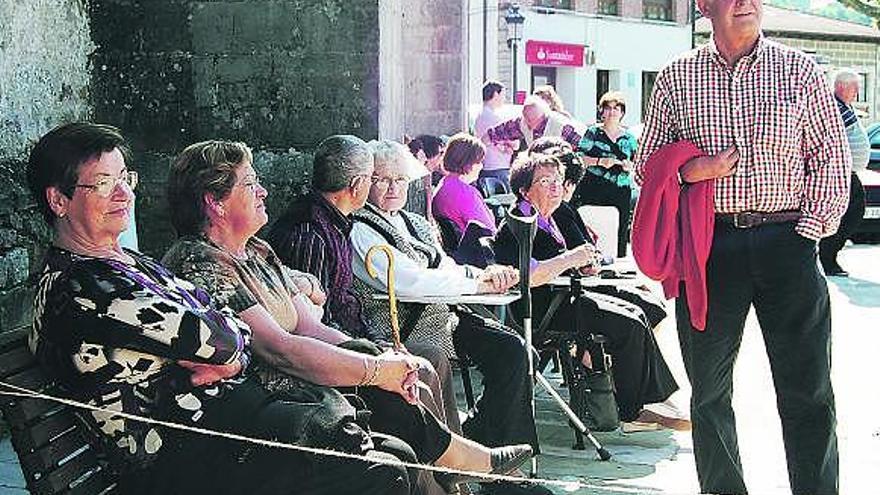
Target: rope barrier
[(568, 486)]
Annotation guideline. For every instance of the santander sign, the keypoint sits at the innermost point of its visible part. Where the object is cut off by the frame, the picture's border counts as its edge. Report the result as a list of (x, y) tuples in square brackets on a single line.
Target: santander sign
[(550, 53)]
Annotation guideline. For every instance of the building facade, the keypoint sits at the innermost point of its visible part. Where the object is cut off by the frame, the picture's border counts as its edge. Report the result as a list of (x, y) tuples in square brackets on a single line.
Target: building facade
[(581, 47)]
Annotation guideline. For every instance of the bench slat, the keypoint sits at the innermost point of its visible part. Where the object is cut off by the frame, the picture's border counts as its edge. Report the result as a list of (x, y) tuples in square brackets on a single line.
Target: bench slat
[(15, 360), (48, 457), (45, 433), (99, 483), (60, 479), (40, 433), (26, 410), (31, 379)]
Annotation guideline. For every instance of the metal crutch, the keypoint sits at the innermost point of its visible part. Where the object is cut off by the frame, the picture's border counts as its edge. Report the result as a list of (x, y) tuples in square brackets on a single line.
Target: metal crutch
[(524, 229)]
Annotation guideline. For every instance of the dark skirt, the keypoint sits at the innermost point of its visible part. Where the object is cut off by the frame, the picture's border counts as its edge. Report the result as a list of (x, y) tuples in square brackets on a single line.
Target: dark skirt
[(641, 375), (195, 463)]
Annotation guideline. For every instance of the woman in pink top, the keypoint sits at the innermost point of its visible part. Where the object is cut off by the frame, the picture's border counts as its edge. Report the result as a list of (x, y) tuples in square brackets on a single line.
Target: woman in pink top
[(456, 199)]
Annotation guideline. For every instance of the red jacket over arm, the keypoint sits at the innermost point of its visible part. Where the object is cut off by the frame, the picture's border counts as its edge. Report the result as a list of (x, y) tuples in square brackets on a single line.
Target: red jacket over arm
[(673, 226)]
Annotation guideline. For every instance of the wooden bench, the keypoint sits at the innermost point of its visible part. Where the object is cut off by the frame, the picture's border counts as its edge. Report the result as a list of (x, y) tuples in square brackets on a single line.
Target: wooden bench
[(52, 444)]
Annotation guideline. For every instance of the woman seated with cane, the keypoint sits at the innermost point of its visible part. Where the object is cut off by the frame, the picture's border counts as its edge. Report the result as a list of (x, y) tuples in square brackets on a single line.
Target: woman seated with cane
[(219, 207), (641, 376), (118, 331), (503, 414)]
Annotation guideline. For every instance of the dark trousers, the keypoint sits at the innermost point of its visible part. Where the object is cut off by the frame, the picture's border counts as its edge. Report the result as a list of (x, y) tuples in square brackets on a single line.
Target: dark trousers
[(194, 463), (773, 269), (594, 190), (503, 414), (414, 424), (831, 245)]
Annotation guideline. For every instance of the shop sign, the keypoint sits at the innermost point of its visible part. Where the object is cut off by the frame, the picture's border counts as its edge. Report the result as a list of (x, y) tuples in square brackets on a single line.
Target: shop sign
[(550, 53)]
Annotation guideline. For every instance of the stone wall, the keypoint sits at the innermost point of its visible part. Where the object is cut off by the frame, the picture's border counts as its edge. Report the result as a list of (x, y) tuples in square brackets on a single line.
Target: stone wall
[(274, 73), (434, 66), (44, 61), (277, 74)]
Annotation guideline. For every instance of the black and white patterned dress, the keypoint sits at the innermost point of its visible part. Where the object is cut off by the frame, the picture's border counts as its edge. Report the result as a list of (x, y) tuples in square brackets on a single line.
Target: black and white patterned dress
[(111, 334)]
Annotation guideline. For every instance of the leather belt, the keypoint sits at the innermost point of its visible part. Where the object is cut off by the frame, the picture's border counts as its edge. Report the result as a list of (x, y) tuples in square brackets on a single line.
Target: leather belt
[(749, 219)]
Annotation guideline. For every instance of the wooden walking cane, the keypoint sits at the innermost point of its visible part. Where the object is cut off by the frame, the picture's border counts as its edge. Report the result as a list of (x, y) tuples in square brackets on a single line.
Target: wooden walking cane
[(392, 300)]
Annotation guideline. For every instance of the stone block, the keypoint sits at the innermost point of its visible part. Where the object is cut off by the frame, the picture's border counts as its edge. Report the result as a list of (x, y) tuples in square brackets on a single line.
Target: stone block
[(44, 60), (211, 27), (140, 26), (16, 308), (148, 95), (13, 267)]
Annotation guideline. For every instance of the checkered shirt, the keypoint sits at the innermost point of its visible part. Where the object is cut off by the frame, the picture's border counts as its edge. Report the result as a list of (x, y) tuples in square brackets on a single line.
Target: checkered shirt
[(777, 108), (512, 131)]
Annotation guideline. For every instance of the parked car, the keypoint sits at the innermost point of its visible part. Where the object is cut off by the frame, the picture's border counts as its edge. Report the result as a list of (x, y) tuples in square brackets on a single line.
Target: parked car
[(869, 229)]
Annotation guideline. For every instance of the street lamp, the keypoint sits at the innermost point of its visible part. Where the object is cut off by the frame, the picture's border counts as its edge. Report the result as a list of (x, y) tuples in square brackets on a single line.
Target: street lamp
[(514, 35)]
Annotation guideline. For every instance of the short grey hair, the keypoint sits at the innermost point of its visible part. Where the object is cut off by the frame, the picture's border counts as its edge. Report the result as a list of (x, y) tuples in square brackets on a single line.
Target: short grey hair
[(387, 152), (537, 101), (846, 76), (338, 160)]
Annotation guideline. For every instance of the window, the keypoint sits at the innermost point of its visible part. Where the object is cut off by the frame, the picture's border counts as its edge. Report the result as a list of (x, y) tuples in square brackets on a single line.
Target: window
[(608, 7), (603, 84), (660, 10), (648, 79), (555, 4), (863, 88), (542, 76)]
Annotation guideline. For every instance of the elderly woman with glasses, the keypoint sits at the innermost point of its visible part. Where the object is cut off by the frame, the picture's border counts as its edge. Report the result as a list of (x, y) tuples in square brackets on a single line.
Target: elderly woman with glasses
[(117, 330), (641, 375), (219, 201), (502, 415)]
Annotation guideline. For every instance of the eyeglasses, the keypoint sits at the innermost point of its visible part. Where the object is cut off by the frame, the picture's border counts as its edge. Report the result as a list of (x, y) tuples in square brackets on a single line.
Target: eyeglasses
[(386, 182), (556, 180), (105, 186), (252, 183)]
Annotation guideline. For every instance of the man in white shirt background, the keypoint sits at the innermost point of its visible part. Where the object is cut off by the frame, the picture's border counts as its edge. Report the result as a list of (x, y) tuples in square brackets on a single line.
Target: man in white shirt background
[(498, 155)]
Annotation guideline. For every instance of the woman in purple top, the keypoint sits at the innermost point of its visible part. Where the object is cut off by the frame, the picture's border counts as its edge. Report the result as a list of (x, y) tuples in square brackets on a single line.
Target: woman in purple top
[(456, 199)]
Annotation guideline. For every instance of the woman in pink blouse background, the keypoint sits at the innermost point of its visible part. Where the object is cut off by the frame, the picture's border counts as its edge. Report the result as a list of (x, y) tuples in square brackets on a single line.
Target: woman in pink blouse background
[(456, 198)]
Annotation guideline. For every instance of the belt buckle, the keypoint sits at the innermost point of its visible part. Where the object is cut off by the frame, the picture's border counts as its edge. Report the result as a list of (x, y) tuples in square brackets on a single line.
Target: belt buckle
[(745, 219)]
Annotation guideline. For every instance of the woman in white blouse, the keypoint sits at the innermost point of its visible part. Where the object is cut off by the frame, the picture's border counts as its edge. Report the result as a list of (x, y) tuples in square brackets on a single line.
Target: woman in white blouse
[(503, 414)]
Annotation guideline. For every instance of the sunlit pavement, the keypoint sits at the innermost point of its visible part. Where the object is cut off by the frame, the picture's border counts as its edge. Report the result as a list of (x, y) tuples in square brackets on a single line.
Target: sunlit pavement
[(662, 462)]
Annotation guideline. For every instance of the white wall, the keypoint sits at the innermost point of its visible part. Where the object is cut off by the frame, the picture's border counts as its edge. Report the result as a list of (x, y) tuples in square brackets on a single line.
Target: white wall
[(625, 46), (475, 47)]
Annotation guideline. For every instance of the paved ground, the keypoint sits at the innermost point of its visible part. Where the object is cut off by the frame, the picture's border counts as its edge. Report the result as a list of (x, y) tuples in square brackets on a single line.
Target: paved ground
[(662, 461)]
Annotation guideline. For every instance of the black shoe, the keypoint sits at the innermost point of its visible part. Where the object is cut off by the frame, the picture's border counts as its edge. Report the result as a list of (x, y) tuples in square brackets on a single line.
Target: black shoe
[(835, 271), (511, 488), (504, 460)]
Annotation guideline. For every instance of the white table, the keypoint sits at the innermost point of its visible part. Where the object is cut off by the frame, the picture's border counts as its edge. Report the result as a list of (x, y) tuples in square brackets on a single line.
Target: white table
[(468, 299), (595, 281), (505, 199)]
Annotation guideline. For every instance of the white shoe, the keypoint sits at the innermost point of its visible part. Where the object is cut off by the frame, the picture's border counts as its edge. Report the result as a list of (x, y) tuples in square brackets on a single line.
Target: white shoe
[(637, 426)]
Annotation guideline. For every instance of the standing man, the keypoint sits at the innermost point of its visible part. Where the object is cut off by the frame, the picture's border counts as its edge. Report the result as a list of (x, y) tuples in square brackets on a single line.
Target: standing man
[(764, 116), (846, 90), (496, 163)]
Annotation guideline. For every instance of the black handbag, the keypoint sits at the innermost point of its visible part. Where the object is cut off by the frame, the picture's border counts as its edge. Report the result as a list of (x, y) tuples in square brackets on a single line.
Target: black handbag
[(600, 406)]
